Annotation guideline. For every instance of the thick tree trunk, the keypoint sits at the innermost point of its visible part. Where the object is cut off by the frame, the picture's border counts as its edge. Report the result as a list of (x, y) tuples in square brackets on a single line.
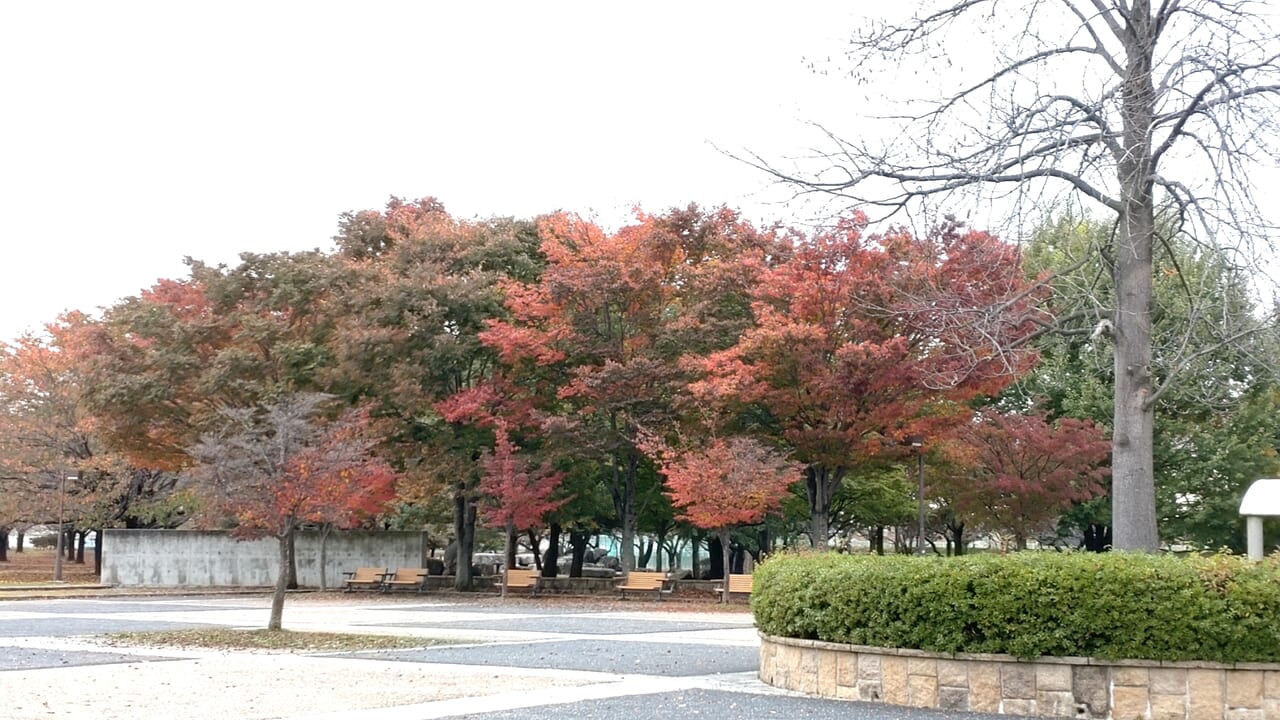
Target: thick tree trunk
[(1133, 513), (551, 558), (80, 540), (877, 539), (1097, 538), (956, 531), (722, 536), (717, 552), (464, 528), (646, 552), (578, 545), (821, 483), (695, 554), (4, 544), (282, 581), (22, 541), (627, 511)]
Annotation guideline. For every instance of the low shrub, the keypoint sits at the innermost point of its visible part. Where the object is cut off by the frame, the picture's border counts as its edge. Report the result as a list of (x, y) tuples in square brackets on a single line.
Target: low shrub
[(1111, 606)]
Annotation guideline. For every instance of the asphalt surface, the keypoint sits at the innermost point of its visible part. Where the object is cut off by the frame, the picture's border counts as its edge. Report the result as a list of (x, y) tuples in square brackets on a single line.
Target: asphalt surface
[(629, 663)]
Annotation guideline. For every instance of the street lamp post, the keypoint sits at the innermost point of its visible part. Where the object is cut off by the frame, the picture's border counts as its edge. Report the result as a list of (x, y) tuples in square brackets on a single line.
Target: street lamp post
[(917, 442), (62, 495)]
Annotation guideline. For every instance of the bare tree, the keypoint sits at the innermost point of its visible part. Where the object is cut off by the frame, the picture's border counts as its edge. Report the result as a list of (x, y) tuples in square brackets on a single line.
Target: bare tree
[(1142, 108)]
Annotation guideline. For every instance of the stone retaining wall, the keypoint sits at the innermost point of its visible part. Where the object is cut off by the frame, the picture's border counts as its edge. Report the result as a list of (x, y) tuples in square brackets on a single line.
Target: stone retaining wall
[(1045, 687)]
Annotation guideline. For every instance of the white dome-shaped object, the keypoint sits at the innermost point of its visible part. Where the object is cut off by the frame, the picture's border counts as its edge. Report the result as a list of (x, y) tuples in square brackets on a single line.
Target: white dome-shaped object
[(1262, 499)]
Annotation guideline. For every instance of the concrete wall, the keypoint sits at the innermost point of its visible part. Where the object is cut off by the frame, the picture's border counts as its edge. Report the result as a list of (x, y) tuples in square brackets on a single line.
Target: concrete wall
[(182, 558), (1045, 687)]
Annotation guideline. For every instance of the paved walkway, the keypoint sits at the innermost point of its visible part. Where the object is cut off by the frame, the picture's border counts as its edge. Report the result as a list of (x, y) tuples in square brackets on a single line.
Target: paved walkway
[(513, 659)]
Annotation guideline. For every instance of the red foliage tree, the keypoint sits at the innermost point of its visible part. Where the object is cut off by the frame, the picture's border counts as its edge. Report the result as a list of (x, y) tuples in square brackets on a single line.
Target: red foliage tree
[(1027, 471), (860, 340), (520, 494), (725, 483), (275, 467)]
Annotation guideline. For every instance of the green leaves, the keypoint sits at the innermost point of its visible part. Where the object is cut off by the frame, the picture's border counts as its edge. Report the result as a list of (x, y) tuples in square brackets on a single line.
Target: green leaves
[(1114, 606)]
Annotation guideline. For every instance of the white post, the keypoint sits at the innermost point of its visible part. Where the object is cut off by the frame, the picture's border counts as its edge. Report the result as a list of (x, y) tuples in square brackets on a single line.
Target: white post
[(1253, 529)]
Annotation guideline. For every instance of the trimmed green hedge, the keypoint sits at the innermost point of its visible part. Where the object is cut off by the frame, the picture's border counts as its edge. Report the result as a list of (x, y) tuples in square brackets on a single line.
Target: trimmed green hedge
[(1111, 606)]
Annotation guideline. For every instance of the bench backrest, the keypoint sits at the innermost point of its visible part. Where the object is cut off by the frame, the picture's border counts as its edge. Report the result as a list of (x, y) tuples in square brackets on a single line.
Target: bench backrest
[(739, 583), (409, 575), (517, 577), (368, 574), (645, 579)]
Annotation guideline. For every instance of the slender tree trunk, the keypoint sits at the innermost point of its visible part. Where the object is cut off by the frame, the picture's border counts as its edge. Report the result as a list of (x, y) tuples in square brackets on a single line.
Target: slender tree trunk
[(1132, 468), (695, 554), (325, 529), (293, 562), (4, 544), (508, 554), (722, 536), (535, 547), (22, 541), (282, 582), (97, 553)]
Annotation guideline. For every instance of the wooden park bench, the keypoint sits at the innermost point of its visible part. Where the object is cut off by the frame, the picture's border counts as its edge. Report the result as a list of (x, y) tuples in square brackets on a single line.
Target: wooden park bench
[(520, 578), (644, 581), (365, 578), (736, 584), (406, 579)]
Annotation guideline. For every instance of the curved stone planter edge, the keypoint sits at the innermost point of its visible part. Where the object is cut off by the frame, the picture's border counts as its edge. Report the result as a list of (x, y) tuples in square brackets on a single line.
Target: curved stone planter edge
[(1075, 687)]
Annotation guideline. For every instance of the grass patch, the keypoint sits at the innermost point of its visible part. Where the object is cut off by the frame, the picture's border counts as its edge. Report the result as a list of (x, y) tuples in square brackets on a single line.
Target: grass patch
[(273, 640)]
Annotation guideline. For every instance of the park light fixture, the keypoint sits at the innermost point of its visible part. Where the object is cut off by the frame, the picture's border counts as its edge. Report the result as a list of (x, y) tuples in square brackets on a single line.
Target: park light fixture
[(917, 442), (62, 499)]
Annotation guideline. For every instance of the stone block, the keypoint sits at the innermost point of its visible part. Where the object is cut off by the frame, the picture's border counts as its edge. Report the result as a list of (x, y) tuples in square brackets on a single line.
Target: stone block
[(922, 691), (1168, 707), (1017, 681), (1244, 714), (870, 691), (1168, 681), (1055, 703), (1091, 686), (1130, 676), (922, 666), (1018, 706), (1053, 677), (869, 667), (827, 660), (1271, 684), (984, 687), (1129, 702), (1206, 694), (804, 671), (893, 679), (1244, 689), (953, 698), (953, 673), (846, 669), (846, 692)]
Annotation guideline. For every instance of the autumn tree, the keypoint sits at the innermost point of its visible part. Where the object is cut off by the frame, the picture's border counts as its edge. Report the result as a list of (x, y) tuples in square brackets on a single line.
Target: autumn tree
[(424, 284), (1127, 106), (600, 334), (860, 340), (519, 494), (271, 468), (1025, 471), (725, 483)]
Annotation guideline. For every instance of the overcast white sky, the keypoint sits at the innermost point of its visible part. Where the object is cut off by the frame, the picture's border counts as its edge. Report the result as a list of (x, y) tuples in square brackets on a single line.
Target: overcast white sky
[(134, 134)]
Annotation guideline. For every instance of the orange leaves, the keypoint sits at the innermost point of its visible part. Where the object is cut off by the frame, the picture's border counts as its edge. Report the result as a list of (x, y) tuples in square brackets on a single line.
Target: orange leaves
[(726, 482)]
